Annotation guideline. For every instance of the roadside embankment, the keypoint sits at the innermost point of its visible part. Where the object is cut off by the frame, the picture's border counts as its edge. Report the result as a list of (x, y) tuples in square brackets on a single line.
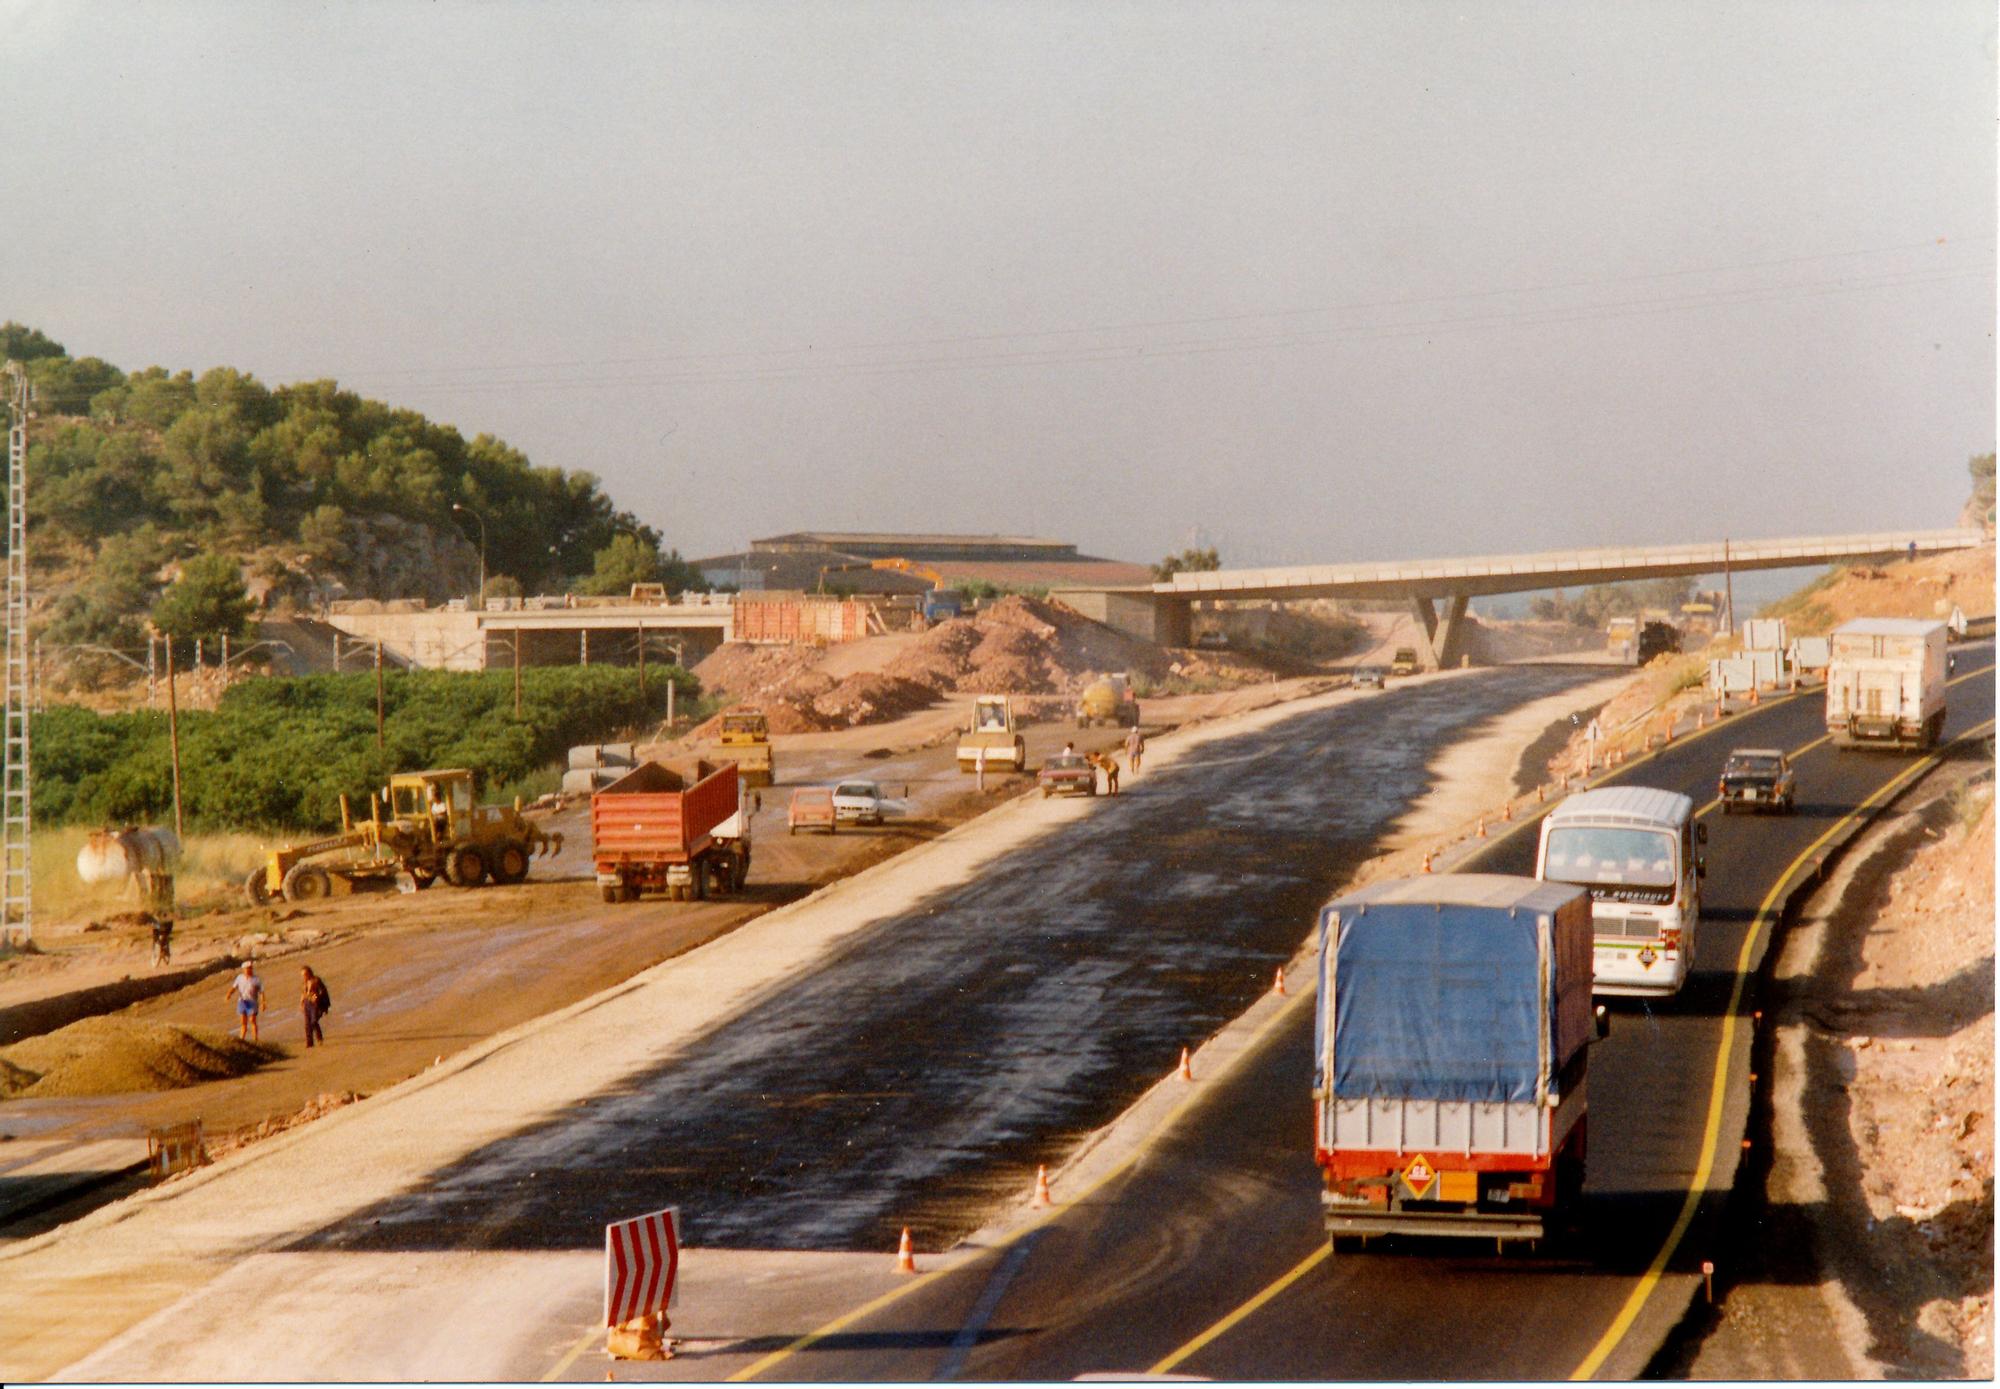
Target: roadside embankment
[(1864, 1247)]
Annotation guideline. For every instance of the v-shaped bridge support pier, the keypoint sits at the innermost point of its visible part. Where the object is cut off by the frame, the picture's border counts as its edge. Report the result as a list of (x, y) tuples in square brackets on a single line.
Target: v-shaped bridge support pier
[(1442, 639)]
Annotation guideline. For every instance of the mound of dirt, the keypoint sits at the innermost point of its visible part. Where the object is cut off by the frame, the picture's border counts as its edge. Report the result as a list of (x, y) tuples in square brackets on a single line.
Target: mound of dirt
[(1018, 645), (872, 698), (114, 1056)]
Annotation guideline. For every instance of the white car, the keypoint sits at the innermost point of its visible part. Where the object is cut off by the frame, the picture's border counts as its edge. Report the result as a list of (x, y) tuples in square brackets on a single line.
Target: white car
[(859, 801)]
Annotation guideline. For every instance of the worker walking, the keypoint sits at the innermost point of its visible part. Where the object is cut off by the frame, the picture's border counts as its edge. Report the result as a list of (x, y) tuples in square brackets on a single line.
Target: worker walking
[(1135, 747), (248, 991), (314, 1001), (163, 940)]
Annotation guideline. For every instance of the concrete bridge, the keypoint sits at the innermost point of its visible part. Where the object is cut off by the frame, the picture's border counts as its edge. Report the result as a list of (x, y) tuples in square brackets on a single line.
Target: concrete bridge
[(1160, 612), (606, 632)]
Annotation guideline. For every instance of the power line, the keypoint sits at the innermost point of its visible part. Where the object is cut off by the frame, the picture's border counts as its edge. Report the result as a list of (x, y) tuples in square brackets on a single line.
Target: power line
[(1141, 325)]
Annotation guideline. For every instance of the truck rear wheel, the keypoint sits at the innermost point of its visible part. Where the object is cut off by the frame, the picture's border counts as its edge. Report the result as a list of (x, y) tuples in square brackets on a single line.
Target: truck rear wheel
[(609, 894), (307, 882), (256, 888), (511, 864), (466, 867)]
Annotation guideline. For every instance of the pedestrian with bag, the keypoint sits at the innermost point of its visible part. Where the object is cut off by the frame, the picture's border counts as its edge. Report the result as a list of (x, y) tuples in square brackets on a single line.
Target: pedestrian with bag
[(315, 1002)]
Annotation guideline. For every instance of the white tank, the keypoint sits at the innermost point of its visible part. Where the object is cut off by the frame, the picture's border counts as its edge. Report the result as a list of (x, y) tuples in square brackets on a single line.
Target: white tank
[(110, 856)]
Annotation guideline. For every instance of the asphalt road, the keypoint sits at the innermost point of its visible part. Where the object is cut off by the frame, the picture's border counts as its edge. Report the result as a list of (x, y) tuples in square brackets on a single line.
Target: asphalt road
[(1226, 1206), (919, 1078)]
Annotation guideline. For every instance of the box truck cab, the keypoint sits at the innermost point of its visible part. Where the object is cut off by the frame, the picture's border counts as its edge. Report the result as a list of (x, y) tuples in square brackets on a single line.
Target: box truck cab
[(1637, 850)]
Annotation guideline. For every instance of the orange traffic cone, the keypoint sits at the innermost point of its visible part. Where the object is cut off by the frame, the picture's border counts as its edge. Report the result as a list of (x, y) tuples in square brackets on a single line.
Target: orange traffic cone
[(1042, 1197), (1427, 860), (1507, 810), (1670, 732), (1480, 831), (1187, 1065), (1278, 982), (906, 1255), (1753, 694), (1540, 793)]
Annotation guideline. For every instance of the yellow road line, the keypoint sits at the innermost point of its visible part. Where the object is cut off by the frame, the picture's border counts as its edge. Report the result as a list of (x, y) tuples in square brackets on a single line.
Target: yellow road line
[(1298, 1271), (1711, 1132), (1116, 1169)]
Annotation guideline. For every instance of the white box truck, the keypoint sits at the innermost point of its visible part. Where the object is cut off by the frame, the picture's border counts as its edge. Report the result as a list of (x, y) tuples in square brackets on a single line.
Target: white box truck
[(1885, 680)]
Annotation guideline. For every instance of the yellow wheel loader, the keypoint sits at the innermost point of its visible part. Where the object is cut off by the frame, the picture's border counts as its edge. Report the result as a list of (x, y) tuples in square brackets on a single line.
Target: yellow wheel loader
[(422, 827)]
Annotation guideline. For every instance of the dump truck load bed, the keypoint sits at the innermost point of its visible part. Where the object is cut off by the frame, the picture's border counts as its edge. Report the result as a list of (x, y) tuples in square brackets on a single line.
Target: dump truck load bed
[(661, 814)]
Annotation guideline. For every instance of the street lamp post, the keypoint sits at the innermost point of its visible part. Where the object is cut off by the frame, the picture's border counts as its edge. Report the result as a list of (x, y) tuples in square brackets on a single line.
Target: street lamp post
[(460, 506)]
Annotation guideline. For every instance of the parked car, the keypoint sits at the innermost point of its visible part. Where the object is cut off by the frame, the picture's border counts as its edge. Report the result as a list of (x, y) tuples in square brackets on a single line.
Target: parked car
[(811, 809), (1760, 778), (1370, 677), (1068, 773), (1213, 640), (859, 801)]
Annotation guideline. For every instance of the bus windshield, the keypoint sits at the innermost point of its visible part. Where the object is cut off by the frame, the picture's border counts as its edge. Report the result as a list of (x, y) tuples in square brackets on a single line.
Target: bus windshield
[(1589, 854)]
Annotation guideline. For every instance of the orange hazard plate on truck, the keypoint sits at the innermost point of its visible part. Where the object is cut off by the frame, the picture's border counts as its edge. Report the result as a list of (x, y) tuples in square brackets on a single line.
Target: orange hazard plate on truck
[(1458, 1186)]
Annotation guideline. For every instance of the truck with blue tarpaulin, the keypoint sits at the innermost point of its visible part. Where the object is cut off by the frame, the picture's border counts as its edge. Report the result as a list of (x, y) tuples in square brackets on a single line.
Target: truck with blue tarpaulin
[(1451, 1047)]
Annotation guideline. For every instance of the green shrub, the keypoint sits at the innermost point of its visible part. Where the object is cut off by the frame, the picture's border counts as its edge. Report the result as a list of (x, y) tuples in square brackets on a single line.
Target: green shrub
[(281, 752)]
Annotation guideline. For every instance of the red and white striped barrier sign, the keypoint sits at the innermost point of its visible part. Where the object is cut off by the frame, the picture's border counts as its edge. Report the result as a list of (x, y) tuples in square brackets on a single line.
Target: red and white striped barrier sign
[(641, 1258)]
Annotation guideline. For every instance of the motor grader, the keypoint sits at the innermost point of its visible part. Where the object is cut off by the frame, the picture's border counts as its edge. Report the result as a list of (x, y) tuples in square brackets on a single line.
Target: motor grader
[(422, 827)]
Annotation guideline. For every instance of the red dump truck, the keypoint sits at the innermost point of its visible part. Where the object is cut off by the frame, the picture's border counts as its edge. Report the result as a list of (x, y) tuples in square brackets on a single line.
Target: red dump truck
[(1452, 1040), (684, 831)]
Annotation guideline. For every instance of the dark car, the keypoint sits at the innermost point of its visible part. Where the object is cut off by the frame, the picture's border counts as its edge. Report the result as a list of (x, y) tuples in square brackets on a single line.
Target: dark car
[(1370, 677), (1760, 778), (1069, 773)]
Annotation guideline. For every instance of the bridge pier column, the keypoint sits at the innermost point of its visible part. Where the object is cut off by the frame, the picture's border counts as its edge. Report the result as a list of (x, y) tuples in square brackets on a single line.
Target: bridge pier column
[(1442, 638)]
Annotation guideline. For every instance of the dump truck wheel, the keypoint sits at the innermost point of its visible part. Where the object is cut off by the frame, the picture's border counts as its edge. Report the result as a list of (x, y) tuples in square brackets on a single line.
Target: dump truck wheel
[(609, 894), (256, 888), (466, 867), (307, 882), (511, 866), (742, 869), (422, 878)]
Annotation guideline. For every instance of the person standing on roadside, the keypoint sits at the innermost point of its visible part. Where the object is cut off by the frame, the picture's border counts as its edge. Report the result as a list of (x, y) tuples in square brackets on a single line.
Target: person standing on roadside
[(163, 940), (314, 1000), (248, 991), (1135, 748)]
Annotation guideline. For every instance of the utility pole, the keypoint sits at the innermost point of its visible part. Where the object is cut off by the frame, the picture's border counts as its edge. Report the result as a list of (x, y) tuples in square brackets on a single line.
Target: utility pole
[(517, 672), (380, 719), (642, 660), (174, 734), (16, 901), (1729, 593)]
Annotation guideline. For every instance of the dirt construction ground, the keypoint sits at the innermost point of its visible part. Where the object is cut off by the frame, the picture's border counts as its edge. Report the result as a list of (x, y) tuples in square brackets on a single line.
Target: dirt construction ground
[(418, 978)]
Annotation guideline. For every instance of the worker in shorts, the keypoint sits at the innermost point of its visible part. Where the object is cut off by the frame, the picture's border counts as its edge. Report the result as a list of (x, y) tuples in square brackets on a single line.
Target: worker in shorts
[(1135, 747), (248, 991)]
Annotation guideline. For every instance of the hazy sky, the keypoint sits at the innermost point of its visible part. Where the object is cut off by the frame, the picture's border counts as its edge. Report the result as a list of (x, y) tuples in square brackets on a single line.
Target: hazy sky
[(1328, 281)]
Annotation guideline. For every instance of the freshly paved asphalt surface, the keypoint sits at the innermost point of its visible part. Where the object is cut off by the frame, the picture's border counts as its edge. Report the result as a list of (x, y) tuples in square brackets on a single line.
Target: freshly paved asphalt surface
[(919, 1078), (1228, 1202)]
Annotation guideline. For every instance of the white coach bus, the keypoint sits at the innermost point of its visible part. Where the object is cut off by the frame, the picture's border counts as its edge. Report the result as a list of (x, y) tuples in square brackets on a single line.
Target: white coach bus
[(1636, 849)]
